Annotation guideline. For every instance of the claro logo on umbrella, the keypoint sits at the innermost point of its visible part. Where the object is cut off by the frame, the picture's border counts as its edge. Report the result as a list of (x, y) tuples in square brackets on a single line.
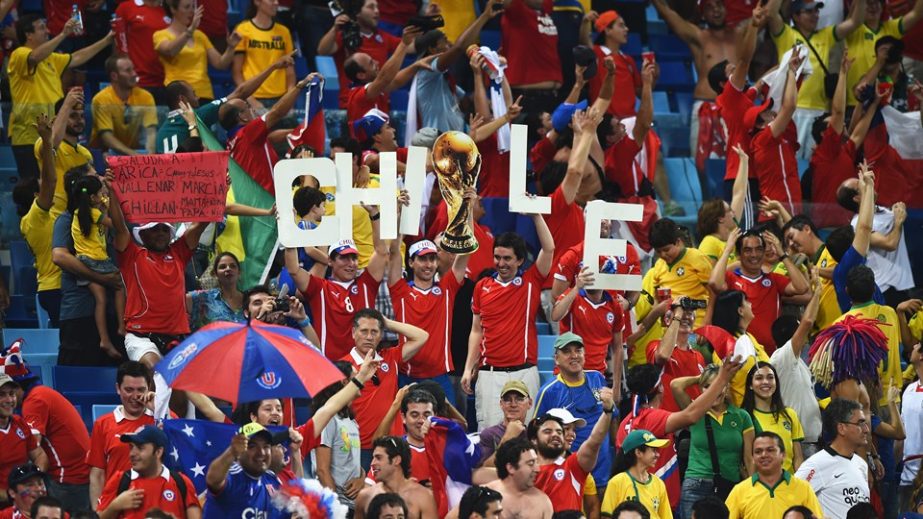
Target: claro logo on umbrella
[(269, 380), (183, 355)]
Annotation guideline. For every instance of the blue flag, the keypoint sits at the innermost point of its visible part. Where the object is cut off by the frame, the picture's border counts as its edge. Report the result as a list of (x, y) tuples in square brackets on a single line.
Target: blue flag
[(194, 444)]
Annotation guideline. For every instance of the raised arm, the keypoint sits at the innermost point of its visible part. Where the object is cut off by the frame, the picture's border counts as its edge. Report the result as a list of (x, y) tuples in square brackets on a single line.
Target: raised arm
[(911, 18), (741, 183), (686, 30), (646, 110), (287, 102), (73, 98), (789, 99), (122, 236), (85, 54), (223, 60), (545, 256), (246, 88), (416, 337), (678, 387), (799, 284), (301, 276), (905, 311), (589, 450), (800, 337), (776, 23), (838, 103), (665, 349), (44, 50), (601, 104), (718, 281), (327, 45), (480, 130), (861, 125), (562, 306), (747, 46), (170, 48), (862, 238), (892, 240), (344, 396), (49, 178), (852, 22), (382, 81), (217, 475), (700, 405)]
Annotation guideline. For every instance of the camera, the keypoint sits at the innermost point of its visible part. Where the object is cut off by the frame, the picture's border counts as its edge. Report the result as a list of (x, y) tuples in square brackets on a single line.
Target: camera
[(693, 304), (281, 302), (427, 23), (352, 40)]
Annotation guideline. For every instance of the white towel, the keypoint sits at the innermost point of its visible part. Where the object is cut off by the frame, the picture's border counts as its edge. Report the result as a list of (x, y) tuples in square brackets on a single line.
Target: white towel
[(497, 101), (904, 132), (776, 78), (411, 127)]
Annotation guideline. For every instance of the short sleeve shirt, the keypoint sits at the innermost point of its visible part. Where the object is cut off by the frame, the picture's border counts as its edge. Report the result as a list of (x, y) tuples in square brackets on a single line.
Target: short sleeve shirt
[(530, 42), (107, 451), (37, 227), (373, 401), (839, 482), (68, 156), (159, 492), (734, 103), (776, 168), (437, 99), (687, 276), (92, 245), (244, 495), (208, 306), (155, 291), (833, 162), (751, 498), (655, 421), (64, 436), (627, 81), (190, 64), (125, 119), (333, 305), (430, 309), (379, 45), (174, 129), (765, 294), (794, 376), (786, 425), (141, 22), (562, 481), (250, 148), (16, 442), (595, 323), (728, 431), (682, 363), (850, 259), (811, 92), (652, 494), (566, 223), (357, 104), (261, 48), (861, 46), (34, 91), (507, 311), (619, 165)]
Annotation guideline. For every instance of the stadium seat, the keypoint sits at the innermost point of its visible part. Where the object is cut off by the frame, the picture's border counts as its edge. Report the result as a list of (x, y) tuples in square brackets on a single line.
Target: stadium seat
[(546, 352), (655, 25), (544, 377), (633, 46), (675, 76), (674, 141), (802, 167), (37, 341), (8, 218), (8, 178), (542, 328), (490, 39), (22, 263), (7, 159), (684, 102), (669, 47), (21, 313), (684, 188), (41, 315), (327, 68), (665, 116), (43, 364), (86, 386), (399, 100), (102, 410), (714, 172)]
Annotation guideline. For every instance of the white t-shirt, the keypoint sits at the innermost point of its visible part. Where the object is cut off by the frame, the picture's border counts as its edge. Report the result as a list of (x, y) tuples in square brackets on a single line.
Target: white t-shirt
[(912, 416), (892, 269), (839, 482), (797, 388)]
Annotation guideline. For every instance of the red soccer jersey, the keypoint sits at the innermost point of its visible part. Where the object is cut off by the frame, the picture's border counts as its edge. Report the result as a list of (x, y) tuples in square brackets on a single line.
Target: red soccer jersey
[(530, 43), (620, 166), (541, 154), (107, 451), (595, 323), (58, 12), (141, 22), (776, 167), (562, 481), (311, 439), (17, 440), (357, 105), (737, 10), (215, 18), (833, 161), (430, 310), (481, 259), (373, 402), (627, 81), (379, 45), (333, 304), (495, 169), (250, 148), (733, 103), (155, 288), (566, 224), (765, 295), (159, 492), (397, 12), (64, 436), (507, 313), (894, 176), (682, 363), (667, 466)]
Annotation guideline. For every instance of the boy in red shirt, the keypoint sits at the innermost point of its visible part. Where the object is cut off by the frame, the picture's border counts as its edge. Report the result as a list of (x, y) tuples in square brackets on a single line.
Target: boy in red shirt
[(148, 484), (18, 443)]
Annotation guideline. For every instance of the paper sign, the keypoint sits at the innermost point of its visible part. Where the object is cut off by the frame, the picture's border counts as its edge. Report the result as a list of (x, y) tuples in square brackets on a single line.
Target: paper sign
[(172, 187), (594, 246), (290, 235)]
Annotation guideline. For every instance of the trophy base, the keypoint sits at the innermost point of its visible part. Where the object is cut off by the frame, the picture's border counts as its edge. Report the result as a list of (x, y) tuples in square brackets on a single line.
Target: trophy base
[(458, 244)]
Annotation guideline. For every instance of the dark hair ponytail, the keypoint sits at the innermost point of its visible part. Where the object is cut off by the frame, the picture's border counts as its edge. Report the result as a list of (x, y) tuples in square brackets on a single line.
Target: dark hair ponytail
[(83, 189)]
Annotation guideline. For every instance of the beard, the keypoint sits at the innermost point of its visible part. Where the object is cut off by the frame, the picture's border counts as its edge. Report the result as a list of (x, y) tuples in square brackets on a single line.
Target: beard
[(549, 452)]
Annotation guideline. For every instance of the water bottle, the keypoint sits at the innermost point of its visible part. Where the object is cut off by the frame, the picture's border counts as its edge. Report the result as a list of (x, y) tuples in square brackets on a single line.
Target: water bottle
[(75, 14)]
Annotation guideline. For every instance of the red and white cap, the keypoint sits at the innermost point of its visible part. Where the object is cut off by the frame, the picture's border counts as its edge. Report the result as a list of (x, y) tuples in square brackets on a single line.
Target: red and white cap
[(343, 247), (423, 247)]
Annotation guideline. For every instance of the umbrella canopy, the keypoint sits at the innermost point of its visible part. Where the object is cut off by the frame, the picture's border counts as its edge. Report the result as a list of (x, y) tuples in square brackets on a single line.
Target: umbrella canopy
[(248, 362)]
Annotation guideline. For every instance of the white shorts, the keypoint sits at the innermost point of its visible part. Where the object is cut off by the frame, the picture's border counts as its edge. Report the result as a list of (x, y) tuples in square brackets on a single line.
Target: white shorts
[(137, 347)]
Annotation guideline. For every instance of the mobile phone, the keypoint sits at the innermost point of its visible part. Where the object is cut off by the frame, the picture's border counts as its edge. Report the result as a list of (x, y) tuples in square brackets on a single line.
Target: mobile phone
[(427, 23)]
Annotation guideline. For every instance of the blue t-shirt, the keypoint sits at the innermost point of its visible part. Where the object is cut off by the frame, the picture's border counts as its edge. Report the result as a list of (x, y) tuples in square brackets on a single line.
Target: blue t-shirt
[(437, 102), (849, 260), (76, 301), (583, 402), (244, 496)]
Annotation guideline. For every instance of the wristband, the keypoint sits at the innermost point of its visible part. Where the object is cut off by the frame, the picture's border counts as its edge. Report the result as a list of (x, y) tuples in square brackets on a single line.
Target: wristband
[(608, 411), (375, 217), (358, 384), (304, 323), (783, 257)]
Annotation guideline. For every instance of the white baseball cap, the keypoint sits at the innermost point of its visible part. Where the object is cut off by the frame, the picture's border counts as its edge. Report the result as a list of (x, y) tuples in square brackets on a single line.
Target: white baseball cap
[(343, 247), (423, 247), (566, 416)]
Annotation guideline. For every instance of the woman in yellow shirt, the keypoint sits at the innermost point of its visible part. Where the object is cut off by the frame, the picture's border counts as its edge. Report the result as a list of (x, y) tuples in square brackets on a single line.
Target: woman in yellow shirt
[(633, 480), (763, 400), (263, 42), (186, 52), (733, 314), (89, 202), (717, 218)]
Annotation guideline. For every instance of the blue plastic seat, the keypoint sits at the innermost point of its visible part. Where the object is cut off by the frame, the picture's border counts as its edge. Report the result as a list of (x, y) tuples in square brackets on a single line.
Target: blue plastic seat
[(714, 172), (89, 380), (22, 263), (542, 328), (399, 100), (668, 46), (685, 188), (675, 76), (327, 68), (102, 410), (546, 347), (545, 376), (37, 341), (674, 141), (21, 313), (42, 364), (633, 46), (44, 321), (7, 159)]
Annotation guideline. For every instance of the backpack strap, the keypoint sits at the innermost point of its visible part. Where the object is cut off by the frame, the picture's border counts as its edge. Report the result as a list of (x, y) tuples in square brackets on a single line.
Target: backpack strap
[(180, 484), (124, 482)]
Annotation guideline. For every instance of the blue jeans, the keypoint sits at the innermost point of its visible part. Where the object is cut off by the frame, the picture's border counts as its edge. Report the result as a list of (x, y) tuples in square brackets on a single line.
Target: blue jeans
[(443, 380), (693, 490)]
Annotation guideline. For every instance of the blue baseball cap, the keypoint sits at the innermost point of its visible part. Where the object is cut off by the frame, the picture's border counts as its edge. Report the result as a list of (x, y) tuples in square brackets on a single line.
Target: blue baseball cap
[(147, 434), (369, 124), (564, 113)]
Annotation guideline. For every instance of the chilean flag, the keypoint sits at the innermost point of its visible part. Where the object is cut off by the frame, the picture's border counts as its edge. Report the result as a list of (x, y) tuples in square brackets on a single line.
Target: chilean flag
[(311, 131), (452, 456)]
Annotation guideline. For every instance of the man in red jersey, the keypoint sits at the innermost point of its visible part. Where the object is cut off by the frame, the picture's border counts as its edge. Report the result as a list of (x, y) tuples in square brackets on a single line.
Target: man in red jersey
[(371, 81), (562, 478), (248, 135), (764, 291), (613, 34), (372, 404), (374, 42), (62, 435), (644, 384), (107, 455), (674, 355), (26, 484), (530, 43), (503, 344), (773, 144), (148, 483), (334, 301), (594, 315), (427, 303), (18, 444), (621, 165)]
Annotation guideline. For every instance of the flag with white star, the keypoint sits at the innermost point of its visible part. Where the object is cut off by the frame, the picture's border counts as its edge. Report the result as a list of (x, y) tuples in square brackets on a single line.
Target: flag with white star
[(194, 444)]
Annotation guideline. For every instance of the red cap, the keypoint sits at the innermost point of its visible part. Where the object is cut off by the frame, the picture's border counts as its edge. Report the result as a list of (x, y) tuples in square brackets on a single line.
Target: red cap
[(753, 113), (605, 20)]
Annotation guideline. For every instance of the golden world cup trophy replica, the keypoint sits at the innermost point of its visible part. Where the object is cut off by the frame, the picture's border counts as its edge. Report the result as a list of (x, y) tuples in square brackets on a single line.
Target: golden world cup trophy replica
[(457, 162)]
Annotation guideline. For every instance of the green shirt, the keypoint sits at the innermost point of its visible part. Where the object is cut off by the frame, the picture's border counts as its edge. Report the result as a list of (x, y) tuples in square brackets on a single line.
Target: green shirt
[(175, 130), (729, 440)]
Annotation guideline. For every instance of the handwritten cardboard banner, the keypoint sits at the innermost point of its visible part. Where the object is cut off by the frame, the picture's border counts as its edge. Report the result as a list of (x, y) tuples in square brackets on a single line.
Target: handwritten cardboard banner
[(172, 187)]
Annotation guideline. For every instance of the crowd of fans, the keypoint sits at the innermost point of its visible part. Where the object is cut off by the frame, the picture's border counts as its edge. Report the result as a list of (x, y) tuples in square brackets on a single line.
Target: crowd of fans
[(769, 366)]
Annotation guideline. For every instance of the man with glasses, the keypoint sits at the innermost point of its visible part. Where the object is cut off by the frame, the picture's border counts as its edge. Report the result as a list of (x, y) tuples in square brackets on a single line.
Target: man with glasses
[(771, 490), (838, 475), (515, 403)]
